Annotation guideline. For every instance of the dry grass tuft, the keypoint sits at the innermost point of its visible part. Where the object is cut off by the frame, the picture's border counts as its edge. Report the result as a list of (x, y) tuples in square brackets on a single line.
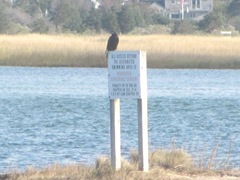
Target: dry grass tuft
[(176, 160), (55, 171), (163, 51)]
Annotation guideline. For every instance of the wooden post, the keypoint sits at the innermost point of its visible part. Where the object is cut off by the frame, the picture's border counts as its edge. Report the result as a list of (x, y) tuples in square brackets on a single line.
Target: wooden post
[(143, 134), (115, 134)]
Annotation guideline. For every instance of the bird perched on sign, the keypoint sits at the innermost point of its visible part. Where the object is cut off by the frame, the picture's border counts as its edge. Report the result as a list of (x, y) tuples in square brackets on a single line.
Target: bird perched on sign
[(112, 43)]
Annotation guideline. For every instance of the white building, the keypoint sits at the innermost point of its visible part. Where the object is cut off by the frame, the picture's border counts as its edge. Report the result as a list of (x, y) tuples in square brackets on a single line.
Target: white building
[(187, 9)]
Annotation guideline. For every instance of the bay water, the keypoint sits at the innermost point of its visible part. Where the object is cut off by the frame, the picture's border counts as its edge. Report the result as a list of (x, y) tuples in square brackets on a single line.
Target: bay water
[(61, 115)]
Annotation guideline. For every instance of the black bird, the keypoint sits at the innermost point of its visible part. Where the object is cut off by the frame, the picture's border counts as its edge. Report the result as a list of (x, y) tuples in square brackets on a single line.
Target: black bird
[(112, 43)]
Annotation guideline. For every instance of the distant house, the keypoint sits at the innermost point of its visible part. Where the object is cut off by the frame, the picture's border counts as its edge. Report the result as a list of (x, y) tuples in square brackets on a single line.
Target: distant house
[(173, 9), (156, 7), (95, 4), (187, 9)]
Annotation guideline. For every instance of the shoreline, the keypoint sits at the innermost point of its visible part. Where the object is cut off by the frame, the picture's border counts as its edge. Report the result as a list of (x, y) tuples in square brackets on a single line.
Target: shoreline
[(164, 165), (179, 170)]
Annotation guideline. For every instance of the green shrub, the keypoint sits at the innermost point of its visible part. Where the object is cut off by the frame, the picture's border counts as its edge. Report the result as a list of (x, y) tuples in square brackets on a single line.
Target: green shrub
[(183, 27)]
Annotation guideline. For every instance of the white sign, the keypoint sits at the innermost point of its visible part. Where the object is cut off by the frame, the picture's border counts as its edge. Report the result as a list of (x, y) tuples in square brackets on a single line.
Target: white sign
[(127, 74)]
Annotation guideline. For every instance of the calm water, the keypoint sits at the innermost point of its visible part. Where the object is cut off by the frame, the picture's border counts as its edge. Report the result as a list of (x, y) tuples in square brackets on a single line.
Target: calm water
[(50, 115)]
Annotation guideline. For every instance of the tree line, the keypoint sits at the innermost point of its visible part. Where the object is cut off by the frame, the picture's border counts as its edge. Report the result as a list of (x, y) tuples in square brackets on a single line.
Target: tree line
[(78, 16)]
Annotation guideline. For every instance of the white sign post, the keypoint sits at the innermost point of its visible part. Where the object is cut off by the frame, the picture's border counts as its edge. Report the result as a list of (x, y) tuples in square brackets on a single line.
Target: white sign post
[(127, 79)]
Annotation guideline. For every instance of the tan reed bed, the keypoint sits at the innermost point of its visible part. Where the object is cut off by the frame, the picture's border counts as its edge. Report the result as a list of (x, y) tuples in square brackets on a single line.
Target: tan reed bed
[(51, 50), (163, 51)]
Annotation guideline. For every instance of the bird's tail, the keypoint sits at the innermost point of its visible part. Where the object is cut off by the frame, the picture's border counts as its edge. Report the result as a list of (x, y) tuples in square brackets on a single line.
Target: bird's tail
[(106, 53)]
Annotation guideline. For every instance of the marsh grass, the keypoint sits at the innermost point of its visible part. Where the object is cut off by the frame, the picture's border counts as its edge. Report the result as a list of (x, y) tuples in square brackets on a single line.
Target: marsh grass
[(164, 164), (163, 51)]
